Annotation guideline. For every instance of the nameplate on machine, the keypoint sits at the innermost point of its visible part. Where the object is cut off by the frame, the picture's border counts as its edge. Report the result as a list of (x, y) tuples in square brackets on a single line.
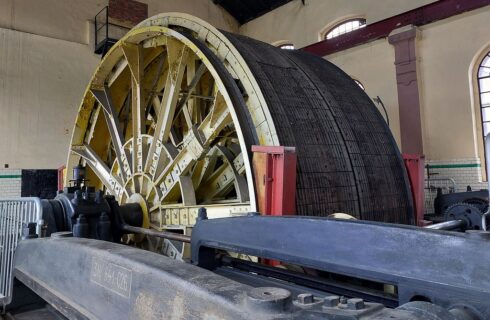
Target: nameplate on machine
[(111, 276)]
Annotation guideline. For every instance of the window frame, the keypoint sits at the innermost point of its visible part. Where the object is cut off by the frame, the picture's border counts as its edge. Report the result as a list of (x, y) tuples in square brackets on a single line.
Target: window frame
[(340, 23), (480, 93)]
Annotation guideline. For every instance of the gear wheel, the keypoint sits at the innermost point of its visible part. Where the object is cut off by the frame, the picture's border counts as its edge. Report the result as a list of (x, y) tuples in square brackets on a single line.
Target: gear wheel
[(481, 204), (467, 212)]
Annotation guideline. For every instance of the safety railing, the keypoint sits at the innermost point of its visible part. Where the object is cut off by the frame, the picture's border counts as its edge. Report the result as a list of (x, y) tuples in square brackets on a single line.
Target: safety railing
[(13, 214), (107, 33)]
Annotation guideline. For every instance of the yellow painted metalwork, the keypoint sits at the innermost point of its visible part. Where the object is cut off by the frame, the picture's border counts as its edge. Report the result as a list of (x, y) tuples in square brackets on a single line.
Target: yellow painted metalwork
[(144, 66)]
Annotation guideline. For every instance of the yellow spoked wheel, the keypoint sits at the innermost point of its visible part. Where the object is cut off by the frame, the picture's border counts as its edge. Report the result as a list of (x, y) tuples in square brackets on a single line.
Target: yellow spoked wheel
[(157, 126)]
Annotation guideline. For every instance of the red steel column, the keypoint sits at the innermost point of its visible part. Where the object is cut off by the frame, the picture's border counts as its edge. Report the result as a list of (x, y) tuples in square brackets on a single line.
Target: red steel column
[(415, 170), (275, 179), (404, 41)]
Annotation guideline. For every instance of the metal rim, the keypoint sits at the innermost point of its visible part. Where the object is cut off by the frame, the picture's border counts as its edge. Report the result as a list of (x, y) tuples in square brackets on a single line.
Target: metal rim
[(159, 86)]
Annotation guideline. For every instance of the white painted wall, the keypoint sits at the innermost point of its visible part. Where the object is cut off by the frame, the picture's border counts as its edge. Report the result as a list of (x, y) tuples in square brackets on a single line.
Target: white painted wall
[(42, 81), (446, 51), (46, 62), (67, 19)]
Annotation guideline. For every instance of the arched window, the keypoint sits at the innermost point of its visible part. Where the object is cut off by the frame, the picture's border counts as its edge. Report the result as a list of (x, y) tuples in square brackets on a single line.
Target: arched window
[(287, 46), (484, 90), (345, 27)]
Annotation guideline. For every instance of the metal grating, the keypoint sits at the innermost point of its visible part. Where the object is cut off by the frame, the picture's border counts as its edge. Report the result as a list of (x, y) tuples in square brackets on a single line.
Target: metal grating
[(13, 213)]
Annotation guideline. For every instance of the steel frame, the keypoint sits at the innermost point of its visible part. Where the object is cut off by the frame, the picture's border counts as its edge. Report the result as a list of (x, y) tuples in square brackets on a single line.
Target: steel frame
[(392, 254)]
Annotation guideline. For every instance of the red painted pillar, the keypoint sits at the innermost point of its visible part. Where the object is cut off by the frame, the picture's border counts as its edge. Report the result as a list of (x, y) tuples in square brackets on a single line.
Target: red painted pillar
[(404, 42), (275, 182), (415, 170), (275, 179)]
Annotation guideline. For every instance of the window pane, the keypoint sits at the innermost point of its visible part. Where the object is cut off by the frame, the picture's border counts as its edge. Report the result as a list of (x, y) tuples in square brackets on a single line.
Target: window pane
[(485, 113), (486, 128), (486, 62), (484, 72), (485, 85), (485, 99), (349, 26), (342, 28)]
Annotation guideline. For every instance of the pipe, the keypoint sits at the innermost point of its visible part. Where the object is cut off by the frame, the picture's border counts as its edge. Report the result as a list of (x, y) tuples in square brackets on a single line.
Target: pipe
[(448, 225), (159, 234)]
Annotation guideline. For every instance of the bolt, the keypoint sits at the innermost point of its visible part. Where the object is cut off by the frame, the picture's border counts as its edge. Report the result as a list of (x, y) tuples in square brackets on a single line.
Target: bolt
[(355, 304), (343, 300), (331, 301), (306, 298), (269, 299), (202, 214)]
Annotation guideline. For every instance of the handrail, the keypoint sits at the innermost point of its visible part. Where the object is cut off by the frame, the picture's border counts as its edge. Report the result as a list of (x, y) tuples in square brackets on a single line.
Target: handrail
[(14, 214), (104, 25)]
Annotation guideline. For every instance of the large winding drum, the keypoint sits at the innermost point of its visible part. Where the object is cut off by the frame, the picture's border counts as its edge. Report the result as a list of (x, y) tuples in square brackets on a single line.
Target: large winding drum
[(171, 113)]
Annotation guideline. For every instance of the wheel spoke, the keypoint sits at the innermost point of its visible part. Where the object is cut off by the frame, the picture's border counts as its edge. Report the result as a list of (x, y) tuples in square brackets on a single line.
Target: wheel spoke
[(112, 121), (177, 54), (239, 180), (187, 191), (168, 134), (193, 79), (134, 56), (121, 66), (164, 153), (112, 183), (223, 179), (156, 78), (196, 144), (204, 169)]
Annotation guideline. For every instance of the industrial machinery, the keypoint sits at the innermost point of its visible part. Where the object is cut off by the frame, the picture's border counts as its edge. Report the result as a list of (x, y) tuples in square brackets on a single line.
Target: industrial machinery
[(172, 111), (161, 156)]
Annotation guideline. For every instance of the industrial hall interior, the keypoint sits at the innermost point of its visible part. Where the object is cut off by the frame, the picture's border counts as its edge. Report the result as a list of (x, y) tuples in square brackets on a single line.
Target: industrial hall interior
[(245, 159)]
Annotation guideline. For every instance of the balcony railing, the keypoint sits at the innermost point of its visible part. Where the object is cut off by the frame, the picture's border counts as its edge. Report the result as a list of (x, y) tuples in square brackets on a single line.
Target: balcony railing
[(107, 33)]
